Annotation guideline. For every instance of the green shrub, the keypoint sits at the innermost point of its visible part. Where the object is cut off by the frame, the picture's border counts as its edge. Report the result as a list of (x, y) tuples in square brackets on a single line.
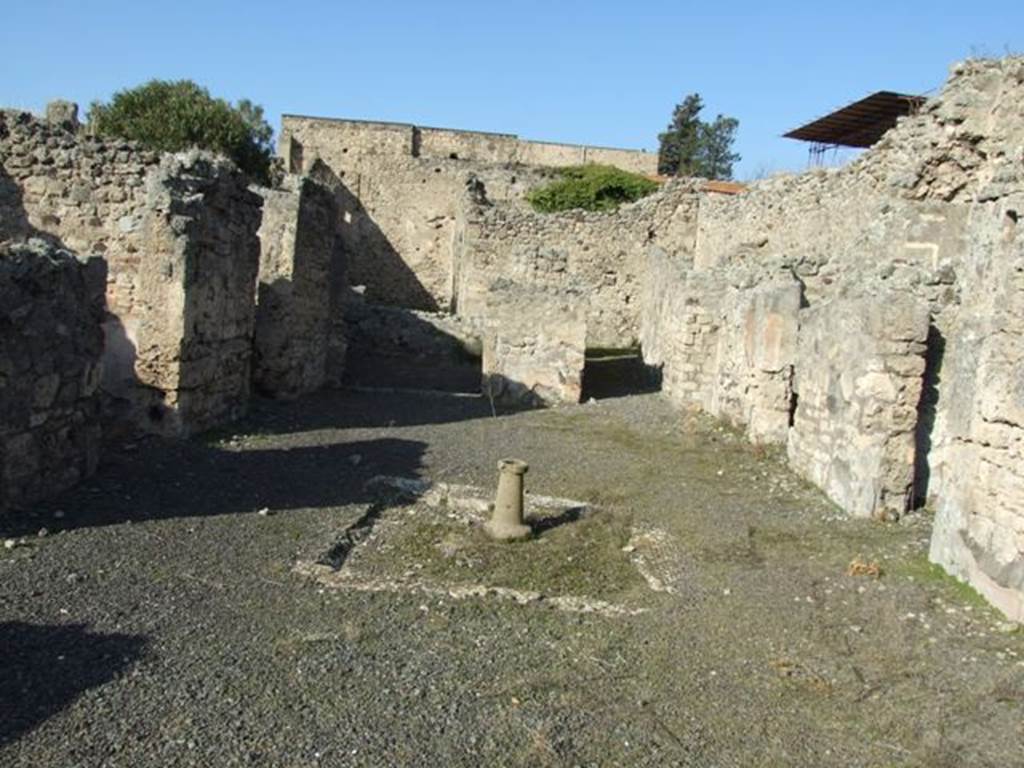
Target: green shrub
[(172, 116), (592, 188)]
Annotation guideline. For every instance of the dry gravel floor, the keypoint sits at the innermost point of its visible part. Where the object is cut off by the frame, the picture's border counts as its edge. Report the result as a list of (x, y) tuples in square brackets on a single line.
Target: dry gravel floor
[(160, 622)]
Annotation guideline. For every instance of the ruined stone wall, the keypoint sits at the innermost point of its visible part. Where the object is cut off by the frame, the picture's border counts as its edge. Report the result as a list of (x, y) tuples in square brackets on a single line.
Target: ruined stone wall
[(754, 358), (438, 143), (177, 235), (979, 524), (979, 499), (399, 189), (87, 194), (298, 343), (725, 346), (599, 256), (533, 346), (340, 142), (644, 163), (396, 215), (557, 155), (925, 404), (50, 346), (679, 327), (197, 279), (859, 368), (833, 228)]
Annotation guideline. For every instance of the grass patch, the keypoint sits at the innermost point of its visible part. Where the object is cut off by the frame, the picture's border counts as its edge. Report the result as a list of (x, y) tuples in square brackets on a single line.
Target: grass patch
[(583, 557), (922, 571)]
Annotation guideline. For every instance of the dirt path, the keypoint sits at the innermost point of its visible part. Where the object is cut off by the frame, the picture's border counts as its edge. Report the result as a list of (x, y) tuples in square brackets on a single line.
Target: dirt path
[(696, 610)]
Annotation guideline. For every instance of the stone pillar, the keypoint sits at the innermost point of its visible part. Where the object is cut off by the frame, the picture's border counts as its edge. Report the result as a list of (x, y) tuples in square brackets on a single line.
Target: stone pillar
[(506, 524)]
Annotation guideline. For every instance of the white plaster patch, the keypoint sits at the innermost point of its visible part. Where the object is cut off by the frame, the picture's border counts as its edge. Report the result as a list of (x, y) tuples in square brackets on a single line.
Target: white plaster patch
[(345, 580)]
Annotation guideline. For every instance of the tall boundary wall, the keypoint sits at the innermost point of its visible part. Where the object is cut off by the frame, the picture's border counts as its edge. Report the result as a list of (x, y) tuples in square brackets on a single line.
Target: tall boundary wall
[(367, 137)]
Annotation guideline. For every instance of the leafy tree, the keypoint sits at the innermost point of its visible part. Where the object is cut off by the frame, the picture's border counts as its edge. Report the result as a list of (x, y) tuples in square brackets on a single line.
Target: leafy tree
[(170, 116), (692, 147), (590, 187)]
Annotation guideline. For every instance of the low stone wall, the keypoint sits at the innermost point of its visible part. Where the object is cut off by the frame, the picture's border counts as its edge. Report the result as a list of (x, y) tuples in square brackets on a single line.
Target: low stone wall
[(50, 348), (533, 346), (859, 368), (297, 295)]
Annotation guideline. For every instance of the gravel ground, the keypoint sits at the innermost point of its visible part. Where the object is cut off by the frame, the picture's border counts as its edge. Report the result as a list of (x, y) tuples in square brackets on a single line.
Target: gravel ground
[(160, 621)]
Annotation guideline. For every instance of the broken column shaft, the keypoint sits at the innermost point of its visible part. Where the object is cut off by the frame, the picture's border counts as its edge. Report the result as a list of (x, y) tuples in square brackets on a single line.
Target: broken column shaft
[(506, 524)]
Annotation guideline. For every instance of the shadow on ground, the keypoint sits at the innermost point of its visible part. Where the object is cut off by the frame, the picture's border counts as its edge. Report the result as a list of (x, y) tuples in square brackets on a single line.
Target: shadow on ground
[(167, 479), (45, 668), (349, 409)]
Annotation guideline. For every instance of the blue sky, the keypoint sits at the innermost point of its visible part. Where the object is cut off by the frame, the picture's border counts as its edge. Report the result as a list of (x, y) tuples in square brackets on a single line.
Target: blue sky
[(593, 72)]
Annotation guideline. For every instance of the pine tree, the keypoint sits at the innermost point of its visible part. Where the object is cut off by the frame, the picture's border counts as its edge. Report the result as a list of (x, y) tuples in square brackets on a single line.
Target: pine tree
[(715, 156), (691, 147), (677, 151)]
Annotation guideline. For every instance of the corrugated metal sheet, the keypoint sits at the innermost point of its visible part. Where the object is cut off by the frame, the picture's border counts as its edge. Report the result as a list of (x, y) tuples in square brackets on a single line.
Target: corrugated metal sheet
[(860, 124)]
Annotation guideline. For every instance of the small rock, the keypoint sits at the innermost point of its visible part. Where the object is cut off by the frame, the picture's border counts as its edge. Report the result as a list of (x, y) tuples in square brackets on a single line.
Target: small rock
[(592, 401), (1007, 627), (10, 543), (265, 512), (43, 533), (355, 459)]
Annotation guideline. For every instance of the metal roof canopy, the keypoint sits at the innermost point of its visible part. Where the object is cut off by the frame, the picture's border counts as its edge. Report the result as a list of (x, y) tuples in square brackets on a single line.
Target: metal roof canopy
[(860, 124)]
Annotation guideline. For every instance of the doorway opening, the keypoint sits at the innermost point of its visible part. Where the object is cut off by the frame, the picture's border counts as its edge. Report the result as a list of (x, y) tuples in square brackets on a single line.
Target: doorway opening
[(609, 373)]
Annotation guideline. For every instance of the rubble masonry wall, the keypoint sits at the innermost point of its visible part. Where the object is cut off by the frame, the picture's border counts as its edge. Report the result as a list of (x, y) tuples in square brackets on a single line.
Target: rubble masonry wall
[(50, 347), (177, 235), (927, 218), (298, 341), (597, 256)]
